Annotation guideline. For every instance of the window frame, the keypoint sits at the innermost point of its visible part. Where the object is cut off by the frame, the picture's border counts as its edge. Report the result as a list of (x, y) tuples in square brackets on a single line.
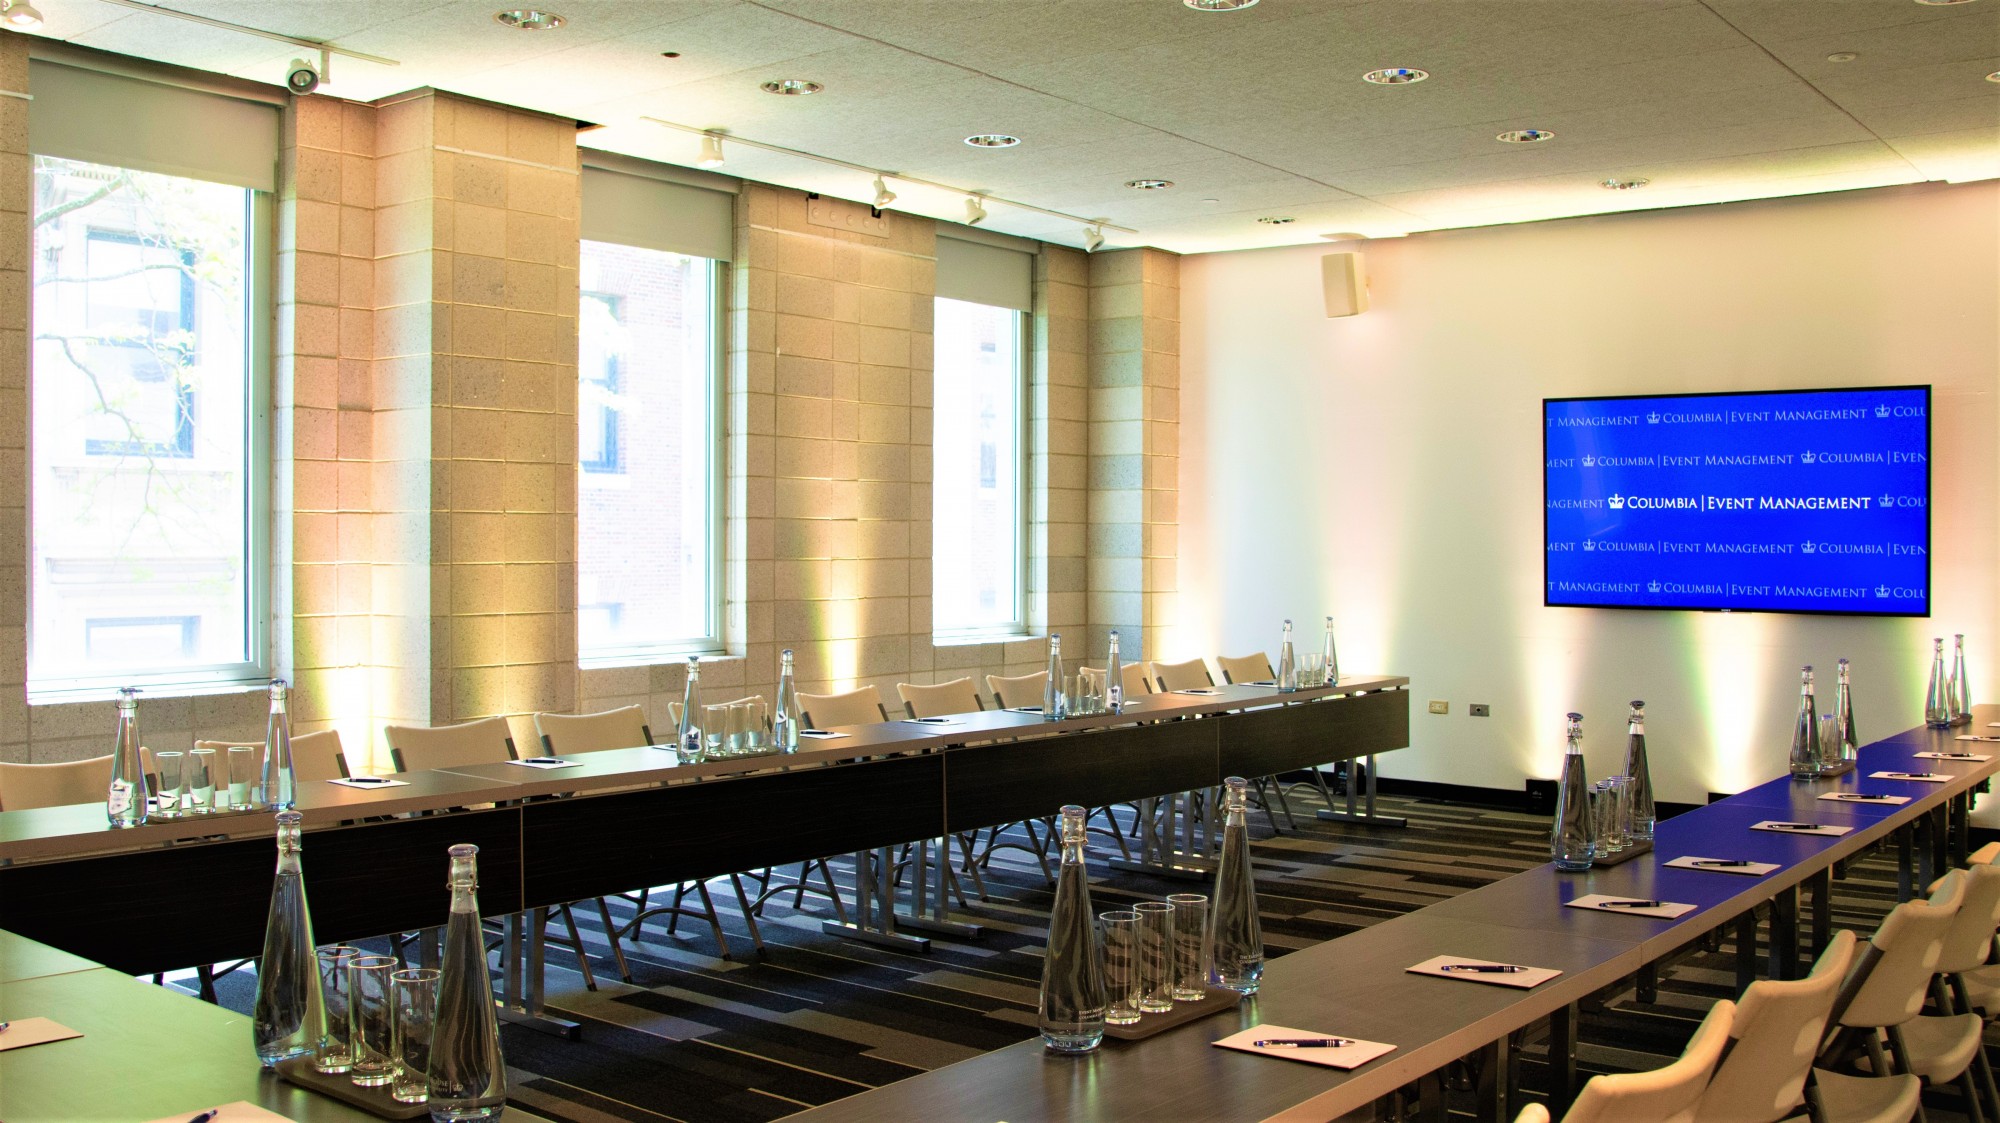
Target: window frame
[(260, 259), (1018, 627)]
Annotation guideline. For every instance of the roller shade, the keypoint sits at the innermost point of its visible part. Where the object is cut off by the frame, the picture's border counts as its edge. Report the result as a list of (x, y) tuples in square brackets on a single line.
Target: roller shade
[(103, 118), (637, 210), (985, 274)]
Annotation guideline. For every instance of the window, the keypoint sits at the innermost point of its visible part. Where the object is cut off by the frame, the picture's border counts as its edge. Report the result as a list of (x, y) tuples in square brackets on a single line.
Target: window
[(976, 483), (600, 412), (146, 401)]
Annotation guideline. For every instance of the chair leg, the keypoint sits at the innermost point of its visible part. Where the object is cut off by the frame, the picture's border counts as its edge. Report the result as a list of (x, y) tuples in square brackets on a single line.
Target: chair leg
[(966, 846), (576, 939), (714, 921), (799, 894), (1970, 1090), (1283, 804), (832, 890), (611, 937), (206, 974), (1041, 850), (1986, 1081), (749, 917), (680, 894)]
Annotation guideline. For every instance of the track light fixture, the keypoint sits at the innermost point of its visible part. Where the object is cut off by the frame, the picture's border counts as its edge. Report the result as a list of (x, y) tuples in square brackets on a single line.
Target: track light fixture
[(883, 196), (21, 14), (975, 211), (1093, 238), (711, 151)]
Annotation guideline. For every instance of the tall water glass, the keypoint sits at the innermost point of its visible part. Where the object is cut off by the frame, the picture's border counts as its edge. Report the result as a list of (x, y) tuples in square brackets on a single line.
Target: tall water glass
[(1156, 956), (372, 1021), (1621, 809), (1121, 967), (715, 726), (172, 770), (415, 995), (335, 1053), (1191, 959), (245, 770), (201, 781), (1603, 813), (1312, 670)]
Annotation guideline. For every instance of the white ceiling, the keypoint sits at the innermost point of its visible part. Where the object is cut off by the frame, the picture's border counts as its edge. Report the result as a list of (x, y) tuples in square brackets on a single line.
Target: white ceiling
[(1252, 113)]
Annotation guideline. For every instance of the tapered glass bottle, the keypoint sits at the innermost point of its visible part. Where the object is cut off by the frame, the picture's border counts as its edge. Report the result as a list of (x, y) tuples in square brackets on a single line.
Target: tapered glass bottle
[(1846, 742), (1054, 705), (1937, 696), (1288, 663), (281, 782), (786, 719), (289, 1016), (1961, 687), (1235, 933), (1636, 766), (468, 1076), (125, 798), (1573, 837), (1326, 656), (1114, 678), (688, 742), (1073, 995), (1805, 731)]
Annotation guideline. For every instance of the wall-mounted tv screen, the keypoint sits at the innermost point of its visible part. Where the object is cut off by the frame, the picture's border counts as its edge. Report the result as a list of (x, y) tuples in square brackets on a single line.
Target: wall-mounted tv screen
[(1788, 501)]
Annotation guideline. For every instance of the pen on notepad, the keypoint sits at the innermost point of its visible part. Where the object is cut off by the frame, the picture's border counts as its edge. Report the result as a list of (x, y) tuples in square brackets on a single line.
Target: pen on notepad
[(1302, 1043), (205, 1116), (1792, 826), (1850, 797), (1631, 904), (1482, 968), (1708, 862)]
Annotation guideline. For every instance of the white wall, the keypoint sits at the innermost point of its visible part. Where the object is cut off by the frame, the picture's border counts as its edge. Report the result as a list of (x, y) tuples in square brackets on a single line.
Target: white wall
[(1386, 467)]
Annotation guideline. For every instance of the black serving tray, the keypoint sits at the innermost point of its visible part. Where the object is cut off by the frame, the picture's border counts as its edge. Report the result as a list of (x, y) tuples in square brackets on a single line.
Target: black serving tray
[(1217, 1001), (336, 1085)]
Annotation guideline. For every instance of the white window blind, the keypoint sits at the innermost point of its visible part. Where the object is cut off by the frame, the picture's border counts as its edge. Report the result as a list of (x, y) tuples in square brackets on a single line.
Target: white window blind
[(98, 118), (658, 214), (983, 272)]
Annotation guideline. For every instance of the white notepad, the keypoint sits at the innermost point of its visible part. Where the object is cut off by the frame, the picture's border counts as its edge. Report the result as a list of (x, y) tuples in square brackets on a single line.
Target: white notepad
[(1525, 979), (1780, 826), (1347, 1056), (1597, 902), (1857, 797), (1966, 737), (366, 783), (1970, 758), (242, 1111), (546, 762), (1694, 862), (1913, 777)]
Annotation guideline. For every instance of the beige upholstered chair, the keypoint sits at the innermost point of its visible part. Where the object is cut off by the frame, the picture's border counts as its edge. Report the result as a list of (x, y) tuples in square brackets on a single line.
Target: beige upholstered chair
[(1668, 1095), (940, 699), (1026, 690), (315, 756), (1245, 668), (1533, 1113), (855, 707), (1191, 675), (417, 748), (26, 786), (622, 728)]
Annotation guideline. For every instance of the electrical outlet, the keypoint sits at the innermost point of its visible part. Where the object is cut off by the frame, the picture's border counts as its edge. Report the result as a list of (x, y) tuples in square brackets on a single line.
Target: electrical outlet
[(1440, 707), (1481, 709)]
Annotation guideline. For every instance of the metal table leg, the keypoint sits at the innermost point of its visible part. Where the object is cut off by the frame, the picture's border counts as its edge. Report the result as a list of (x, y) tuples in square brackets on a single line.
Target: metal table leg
[(1821, 887), (876, 919), (1368, 816), (1161, 853), (1562, 1059), (1746, 950), (1497, 1083), (1785, 934), (521, 987), (1905, 862)]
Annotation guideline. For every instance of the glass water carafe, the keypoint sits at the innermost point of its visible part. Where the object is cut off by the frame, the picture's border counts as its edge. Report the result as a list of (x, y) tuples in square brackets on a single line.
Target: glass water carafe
[(1805, 731), (468, 1077), (1937, 696), (1073, 996), (1844, 747), (1326, 656), (786, 719), (125, 798), (281, 782), (1641, 796), (1235, 932), (289, 1017), (1288, 663), (689, 743), (1573, 838), (1055, 705), (1114, 678), (1960, 689)]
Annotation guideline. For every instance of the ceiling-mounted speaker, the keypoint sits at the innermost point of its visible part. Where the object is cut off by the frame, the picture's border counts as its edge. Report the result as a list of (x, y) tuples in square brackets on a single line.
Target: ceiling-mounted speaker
[(1345, 278)]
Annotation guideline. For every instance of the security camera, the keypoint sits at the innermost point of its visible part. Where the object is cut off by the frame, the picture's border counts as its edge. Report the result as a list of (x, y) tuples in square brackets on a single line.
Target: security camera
[(301, 77)]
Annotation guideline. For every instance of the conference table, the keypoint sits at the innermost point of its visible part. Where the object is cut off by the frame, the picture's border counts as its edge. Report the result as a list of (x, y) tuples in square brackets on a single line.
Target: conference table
[(1358, 986)]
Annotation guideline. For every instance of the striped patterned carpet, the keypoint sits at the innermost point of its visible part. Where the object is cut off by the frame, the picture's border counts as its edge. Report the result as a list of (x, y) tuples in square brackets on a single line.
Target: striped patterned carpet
[(701, 1039)]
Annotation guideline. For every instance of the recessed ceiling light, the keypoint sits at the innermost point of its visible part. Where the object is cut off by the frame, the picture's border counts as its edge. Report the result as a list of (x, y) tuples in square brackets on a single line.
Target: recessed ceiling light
[(992, 140), (1842, 56), (792, 87), (1149, 184), (1345, 236), (1993, 77), (1525, 136), (1396, 76), (670, 54), (530, 19), (1942, 3), (1624, 184), (1220, 5), (1276, 219), (21, 14)]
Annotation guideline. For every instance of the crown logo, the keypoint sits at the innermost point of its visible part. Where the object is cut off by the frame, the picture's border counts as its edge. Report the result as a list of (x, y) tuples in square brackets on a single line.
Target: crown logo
[(1806, 547), (1652, 586), (1881, 590), (1589, 544), (1806, 458), (1652, 419), (1888, 499), (1881, 411), (1589, 460), (1616, 502)]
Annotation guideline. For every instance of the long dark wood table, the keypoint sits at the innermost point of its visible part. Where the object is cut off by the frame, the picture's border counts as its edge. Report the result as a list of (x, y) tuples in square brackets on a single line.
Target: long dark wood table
[(171, 895), (1357, 985)]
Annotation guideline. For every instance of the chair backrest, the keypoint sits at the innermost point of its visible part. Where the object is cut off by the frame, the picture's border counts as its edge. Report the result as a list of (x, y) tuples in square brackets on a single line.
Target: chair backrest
[(751, 708), (856, 707), (315, 756), (1191, 675), (1132, 675), (1777, 1030), (1245, 668), (622, 728), (418, 748), (1970, 937), (940, 699), (1909, 942), (1670, 1094), (1026, 689), (25, 786)]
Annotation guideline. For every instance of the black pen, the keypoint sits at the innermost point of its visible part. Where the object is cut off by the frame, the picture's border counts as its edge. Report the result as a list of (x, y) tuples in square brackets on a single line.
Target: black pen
[(366, 780), (205, 1116), (1631, 904), (1482, 968), (1708, 862), (1911, 775), (1956, 756), (1853, 798), (1792, 826), (4, 1025), (545, 760), (1302, 1043)]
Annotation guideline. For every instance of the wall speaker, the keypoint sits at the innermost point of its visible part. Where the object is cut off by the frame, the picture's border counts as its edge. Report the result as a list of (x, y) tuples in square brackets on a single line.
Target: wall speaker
[(1345, 278)]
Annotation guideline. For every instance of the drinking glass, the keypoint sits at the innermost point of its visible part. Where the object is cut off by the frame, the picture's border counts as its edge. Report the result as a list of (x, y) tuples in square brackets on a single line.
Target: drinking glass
[(372, 1019), (172, 769), (1620, 788), (1190, 978), (1121, 967), (244, 768), (416, 1019), (1600, 816), (201, 781), (747, 733), (334, 1053), (715, 729), (1156, 958)]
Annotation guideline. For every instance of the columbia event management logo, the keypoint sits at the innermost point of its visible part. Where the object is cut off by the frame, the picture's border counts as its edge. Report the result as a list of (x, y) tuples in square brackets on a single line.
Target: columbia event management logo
[(1882, 412)]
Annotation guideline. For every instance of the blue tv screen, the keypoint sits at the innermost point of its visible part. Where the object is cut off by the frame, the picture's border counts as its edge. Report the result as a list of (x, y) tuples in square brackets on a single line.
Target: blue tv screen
[(1788, 501)]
